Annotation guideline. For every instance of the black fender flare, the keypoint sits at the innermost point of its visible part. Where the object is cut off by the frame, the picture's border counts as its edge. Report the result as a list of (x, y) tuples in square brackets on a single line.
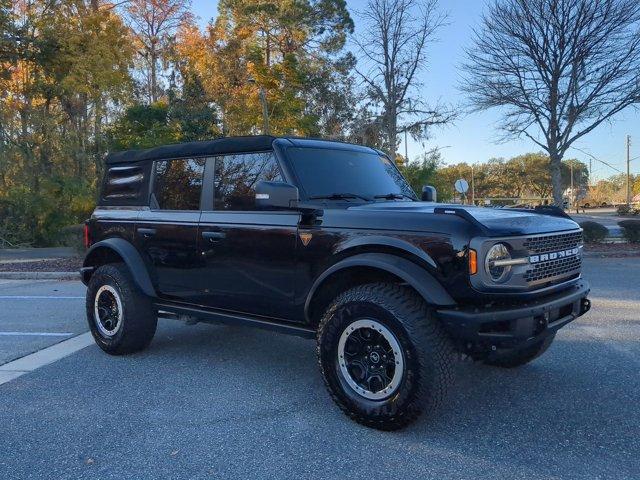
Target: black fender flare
[(384, 241), (129, 255), (411, 273)]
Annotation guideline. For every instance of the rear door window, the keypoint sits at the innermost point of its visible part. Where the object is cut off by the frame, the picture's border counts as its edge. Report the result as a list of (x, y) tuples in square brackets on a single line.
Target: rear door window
[(178, 184)]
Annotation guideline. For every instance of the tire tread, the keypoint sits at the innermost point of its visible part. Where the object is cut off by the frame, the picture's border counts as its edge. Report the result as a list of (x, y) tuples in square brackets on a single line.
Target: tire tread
[(426, 334), (140, 319)]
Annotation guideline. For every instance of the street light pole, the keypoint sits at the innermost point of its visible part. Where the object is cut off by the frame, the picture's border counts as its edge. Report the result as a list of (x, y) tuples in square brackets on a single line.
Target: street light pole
[(573, 195), (628, 170)]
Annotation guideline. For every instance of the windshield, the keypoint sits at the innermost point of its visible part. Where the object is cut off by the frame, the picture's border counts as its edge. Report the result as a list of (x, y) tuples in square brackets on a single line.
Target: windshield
[(348, 174)]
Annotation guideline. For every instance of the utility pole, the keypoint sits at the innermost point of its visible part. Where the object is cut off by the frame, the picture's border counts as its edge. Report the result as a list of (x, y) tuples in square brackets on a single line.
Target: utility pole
[(473, 187), (628, 170)]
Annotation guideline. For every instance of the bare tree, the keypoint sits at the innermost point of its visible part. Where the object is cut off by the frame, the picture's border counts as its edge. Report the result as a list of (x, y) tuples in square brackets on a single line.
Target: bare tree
[(558, 68), (154, 23), (392, 52)]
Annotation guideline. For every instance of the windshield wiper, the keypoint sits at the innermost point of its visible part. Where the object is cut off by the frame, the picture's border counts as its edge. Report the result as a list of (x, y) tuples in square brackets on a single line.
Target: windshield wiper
[(339, 196), (395, 196)]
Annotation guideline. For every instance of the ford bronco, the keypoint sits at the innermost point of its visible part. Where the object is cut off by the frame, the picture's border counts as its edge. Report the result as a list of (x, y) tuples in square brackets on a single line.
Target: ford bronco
[(327, 240)]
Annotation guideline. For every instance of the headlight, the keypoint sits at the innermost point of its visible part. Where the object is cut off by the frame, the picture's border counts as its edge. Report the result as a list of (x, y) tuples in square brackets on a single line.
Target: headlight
[(492, 263)]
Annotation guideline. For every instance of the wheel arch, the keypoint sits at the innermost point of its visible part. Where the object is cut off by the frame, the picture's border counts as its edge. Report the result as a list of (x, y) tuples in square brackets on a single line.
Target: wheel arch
[(380, 243), (372, 267), (114, 250)]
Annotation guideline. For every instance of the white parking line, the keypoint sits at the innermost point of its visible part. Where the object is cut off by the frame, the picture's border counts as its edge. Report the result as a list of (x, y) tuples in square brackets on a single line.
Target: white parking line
[(36, 334), (38, 297), (29, 363)]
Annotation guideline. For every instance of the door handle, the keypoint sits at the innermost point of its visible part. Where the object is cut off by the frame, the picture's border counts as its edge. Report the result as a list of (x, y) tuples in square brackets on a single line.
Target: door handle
[(213, 236), (147, 232)]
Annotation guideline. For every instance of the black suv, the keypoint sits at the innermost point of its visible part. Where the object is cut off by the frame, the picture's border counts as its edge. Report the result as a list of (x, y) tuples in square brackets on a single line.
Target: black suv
[(327, 240)]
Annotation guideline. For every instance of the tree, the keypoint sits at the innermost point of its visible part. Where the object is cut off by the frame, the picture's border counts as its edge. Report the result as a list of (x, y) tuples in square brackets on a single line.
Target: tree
[(515, 178), (192, 112), (9, 36), (143, 126), (558, 68), (422, 171), (154, 23), (291, 50), (392, 53), (580, 174), (68, 71), (331, 98)]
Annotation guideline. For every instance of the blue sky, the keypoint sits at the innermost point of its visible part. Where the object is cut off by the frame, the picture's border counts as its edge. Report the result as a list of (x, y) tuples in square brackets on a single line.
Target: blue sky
[(473, 137)]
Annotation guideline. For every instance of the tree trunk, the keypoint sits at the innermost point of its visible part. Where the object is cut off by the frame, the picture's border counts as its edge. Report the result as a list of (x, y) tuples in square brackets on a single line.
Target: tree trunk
[(154, 80), (97, 136), (556, 177), (392, 134)]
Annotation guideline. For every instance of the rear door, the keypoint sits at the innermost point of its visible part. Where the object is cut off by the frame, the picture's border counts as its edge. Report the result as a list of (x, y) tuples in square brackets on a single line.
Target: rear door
[(167, 233), (248, 255)]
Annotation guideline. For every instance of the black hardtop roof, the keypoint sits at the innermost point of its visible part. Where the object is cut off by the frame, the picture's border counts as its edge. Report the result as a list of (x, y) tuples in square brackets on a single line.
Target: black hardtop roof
[(220, 146)]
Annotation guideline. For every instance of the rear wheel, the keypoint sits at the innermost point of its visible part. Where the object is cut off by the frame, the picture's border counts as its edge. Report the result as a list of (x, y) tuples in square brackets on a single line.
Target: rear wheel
[(383, 356), (121, 318), (519, 357)]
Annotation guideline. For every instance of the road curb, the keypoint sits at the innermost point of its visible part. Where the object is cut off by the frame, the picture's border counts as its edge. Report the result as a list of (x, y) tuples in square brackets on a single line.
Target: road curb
[(611, 254), (40, 275), (34, 254)]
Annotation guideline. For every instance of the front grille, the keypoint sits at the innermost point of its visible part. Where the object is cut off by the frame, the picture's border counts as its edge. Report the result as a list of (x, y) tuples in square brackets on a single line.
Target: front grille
[(553, 268), (556, 264), (553, 243)]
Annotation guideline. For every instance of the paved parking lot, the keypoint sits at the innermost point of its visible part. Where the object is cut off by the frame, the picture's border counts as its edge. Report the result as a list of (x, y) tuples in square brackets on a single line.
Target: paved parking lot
[(225, 402)]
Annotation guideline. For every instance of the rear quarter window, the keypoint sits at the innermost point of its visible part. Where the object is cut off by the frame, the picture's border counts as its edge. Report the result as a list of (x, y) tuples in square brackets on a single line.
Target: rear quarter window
[(123, 183)]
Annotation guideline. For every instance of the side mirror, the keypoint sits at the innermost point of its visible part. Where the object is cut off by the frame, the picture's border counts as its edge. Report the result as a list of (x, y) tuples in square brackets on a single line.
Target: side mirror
[(429, 194), (275, 195)]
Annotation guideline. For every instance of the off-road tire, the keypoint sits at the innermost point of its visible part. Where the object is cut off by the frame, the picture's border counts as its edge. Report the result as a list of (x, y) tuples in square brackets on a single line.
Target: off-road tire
[(427, 352), (139, 318), (520, 357)]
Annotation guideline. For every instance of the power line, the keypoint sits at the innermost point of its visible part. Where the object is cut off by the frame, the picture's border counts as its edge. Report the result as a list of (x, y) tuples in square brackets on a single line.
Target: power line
[(597, 159)]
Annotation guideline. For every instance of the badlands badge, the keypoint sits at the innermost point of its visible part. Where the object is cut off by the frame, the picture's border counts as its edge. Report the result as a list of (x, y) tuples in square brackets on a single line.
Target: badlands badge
[(305, 237)]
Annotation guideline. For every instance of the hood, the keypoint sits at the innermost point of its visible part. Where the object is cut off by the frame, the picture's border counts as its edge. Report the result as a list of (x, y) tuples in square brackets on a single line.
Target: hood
[(497, 221)]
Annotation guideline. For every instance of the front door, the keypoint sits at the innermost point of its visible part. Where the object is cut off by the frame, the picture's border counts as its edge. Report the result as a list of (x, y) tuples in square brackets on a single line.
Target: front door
[(167, 233), (248, 256)]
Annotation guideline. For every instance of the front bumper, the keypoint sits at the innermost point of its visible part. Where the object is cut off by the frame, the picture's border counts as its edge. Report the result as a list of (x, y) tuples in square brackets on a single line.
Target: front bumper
[(516, 325)]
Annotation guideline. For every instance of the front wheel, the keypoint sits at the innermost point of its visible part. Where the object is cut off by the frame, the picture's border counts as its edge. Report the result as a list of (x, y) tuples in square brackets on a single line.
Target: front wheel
[(121, 318), (383, 356)]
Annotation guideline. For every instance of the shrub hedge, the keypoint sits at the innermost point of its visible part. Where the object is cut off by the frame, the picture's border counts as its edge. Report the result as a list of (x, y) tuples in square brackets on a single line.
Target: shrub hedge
[(594, 231), (631, 230)]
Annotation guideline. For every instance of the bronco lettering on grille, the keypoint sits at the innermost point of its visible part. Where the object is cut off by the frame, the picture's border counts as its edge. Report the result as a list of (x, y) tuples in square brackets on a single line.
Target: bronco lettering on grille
[(554, 255)]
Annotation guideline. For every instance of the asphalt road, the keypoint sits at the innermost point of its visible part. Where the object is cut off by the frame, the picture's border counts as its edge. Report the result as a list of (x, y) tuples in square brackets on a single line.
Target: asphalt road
[(225, 402)]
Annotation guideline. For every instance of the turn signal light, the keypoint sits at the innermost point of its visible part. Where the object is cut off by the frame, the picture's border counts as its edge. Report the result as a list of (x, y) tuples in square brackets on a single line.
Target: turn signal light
[(473, 262)]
